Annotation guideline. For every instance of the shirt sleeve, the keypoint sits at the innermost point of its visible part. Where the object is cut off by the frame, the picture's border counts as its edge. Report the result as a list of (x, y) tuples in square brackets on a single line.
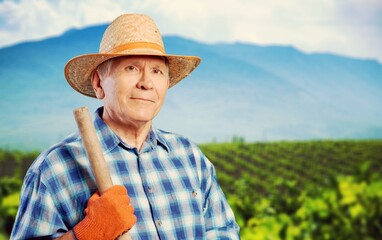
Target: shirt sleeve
[(37, 216), (219, 218)]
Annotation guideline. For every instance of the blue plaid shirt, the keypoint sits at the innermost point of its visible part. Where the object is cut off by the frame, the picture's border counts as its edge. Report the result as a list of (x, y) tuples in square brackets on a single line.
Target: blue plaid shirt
[(172, 187)]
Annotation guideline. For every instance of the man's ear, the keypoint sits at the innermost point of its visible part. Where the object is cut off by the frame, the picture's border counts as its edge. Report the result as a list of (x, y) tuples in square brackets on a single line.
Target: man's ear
[(96, 83)]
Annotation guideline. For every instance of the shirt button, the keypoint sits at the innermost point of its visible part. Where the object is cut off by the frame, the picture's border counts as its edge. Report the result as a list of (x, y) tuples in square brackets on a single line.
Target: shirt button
[(194, 193), (159, 223), (150, 190)]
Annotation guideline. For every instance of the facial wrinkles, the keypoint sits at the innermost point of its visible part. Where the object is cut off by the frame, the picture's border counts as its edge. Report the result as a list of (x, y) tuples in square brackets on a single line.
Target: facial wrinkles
[(111, 99), (150, 88), (121, 90)]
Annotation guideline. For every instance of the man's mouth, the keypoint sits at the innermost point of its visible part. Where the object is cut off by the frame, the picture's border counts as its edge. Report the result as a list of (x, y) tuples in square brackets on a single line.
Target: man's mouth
[(142, 99)]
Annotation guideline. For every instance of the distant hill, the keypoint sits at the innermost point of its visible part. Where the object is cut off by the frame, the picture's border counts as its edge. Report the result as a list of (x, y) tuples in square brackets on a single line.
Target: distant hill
[(257, 92)]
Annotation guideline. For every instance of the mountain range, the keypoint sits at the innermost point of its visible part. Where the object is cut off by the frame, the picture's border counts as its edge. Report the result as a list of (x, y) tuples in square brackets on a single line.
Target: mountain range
[(258, 92)]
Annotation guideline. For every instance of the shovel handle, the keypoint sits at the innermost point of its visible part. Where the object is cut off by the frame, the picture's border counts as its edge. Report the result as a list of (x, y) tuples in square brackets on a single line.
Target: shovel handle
[(93, 149), (94, 152)]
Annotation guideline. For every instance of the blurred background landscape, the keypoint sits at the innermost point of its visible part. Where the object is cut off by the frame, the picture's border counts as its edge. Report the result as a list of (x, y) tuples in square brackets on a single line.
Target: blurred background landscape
[(293, 129), (262, 93)]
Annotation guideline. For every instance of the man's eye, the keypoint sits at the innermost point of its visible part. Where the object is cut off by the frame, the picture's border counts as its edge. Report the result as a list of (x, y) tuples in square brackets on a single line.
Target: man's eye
[(131, 68), (158, 71)]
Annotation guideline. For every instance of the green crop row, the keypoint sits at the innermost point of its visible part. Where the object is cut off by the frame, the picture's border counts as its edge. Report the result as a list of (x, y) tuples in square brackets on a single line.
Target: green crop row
[(352, 209), (302, 190), (311, 164)]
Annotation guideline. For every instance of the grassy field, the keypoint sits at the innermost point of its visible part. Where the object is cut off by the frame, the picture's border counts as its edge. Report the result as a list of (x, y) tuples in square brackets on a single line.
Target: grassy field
[(310, 164), (278, 190)]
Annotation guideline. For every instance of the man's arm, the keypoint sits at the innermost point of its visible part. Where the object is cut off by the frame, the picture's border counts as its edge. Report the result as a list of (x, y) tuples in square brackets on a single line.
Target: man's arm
[(37, 214), (106, 215), (219, 217)]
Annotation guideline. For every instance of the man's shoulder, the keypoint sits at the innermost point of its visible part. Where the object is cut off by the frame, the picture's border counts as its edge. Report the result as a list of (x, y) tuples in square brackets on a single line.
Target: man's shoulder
[(174, 139), (70, 143), (59, 154), (180, 144), (171, 135)]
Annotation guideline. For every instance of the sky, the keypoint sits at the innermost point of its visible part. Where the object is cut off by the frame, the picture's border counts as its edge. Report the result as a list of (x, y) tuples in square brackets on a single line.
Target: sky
[(351, 28)]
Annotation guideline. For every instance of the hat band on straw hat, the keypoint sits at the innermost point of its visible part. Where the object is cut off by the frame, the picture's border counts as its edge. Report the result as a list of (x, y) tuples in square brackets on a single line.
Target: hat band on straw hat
[(137, 45)]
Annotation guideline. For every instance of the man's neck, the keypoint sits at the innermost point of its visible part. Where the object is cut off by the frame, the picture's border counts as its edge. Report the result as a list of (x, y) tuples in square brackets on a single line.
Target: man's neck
[(133, 134), (134, 137)]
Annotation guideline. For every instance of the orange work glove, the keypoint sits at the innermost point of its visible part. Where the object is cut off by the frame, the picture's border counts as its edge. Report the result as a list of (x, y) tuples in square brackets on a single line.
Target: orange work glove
[(107, 216)]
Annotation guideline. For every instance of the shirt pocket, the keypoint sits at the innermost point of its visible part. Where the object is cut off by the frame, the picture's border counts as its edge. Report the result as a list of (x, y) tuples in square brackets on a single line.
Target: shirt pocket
[(186, 202), (187, 213)]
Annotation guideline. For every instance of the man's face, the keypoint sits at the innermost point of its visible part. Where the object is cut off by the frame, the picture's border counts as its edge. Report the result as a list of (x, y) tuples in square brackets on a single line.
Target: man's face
[(134, 89)]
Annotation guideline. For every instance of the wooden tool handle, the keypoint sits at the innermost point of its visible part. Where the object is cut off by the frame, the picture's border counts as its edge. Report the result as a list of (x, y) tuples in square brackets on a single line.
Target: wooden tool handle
[(94, 152), (93, 149)]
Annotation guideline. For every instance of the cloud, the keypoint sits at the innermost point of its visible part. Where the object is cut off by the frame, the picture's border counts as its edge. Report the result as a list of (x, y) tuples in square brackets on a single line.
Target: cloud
[(352, 27), (36, 19)]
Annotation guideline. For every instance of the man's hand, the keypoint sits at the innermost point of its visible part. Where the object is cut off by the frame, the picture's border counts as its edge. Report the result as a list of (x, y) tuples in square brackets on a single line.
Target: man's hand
[(106, 216)]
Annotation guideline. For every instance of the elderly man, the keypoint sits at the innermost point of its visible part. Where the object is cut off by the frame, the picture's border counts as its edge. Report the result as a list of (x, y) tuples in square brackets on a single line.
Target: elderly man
[(166, 188)]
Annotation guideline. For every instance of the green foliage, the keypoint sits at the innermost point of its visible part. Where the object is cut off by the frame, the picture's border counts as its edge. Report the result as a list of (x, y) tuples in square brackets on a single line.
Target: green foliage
[(3, 237), (14, 164), (9, 202), (238, 139), (302, 190), (13, 167), (352, 210)]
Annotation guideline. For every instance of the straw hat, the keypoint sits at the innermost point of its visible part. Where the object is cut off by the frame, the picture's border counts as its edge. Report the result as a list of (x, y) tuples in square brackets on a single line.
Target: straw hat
[(129, 34)]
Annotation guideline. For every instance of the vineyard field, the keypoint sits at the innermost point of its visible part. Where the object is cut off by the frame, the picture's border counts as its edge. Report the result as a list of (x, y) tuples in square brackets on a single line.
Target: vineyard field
[(309, 164), (302, 190)]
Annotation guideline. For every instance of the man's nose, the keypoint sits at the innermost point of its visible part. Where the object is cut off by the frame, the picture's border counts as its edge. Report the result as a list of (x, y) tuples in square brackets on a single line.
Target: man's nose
[(145, 82)]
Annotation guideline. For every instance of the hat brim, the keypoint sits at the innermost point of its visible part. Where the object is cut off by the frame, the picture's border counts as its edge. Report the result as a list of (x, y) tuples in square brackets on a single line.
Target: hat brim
[(78, 70)]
